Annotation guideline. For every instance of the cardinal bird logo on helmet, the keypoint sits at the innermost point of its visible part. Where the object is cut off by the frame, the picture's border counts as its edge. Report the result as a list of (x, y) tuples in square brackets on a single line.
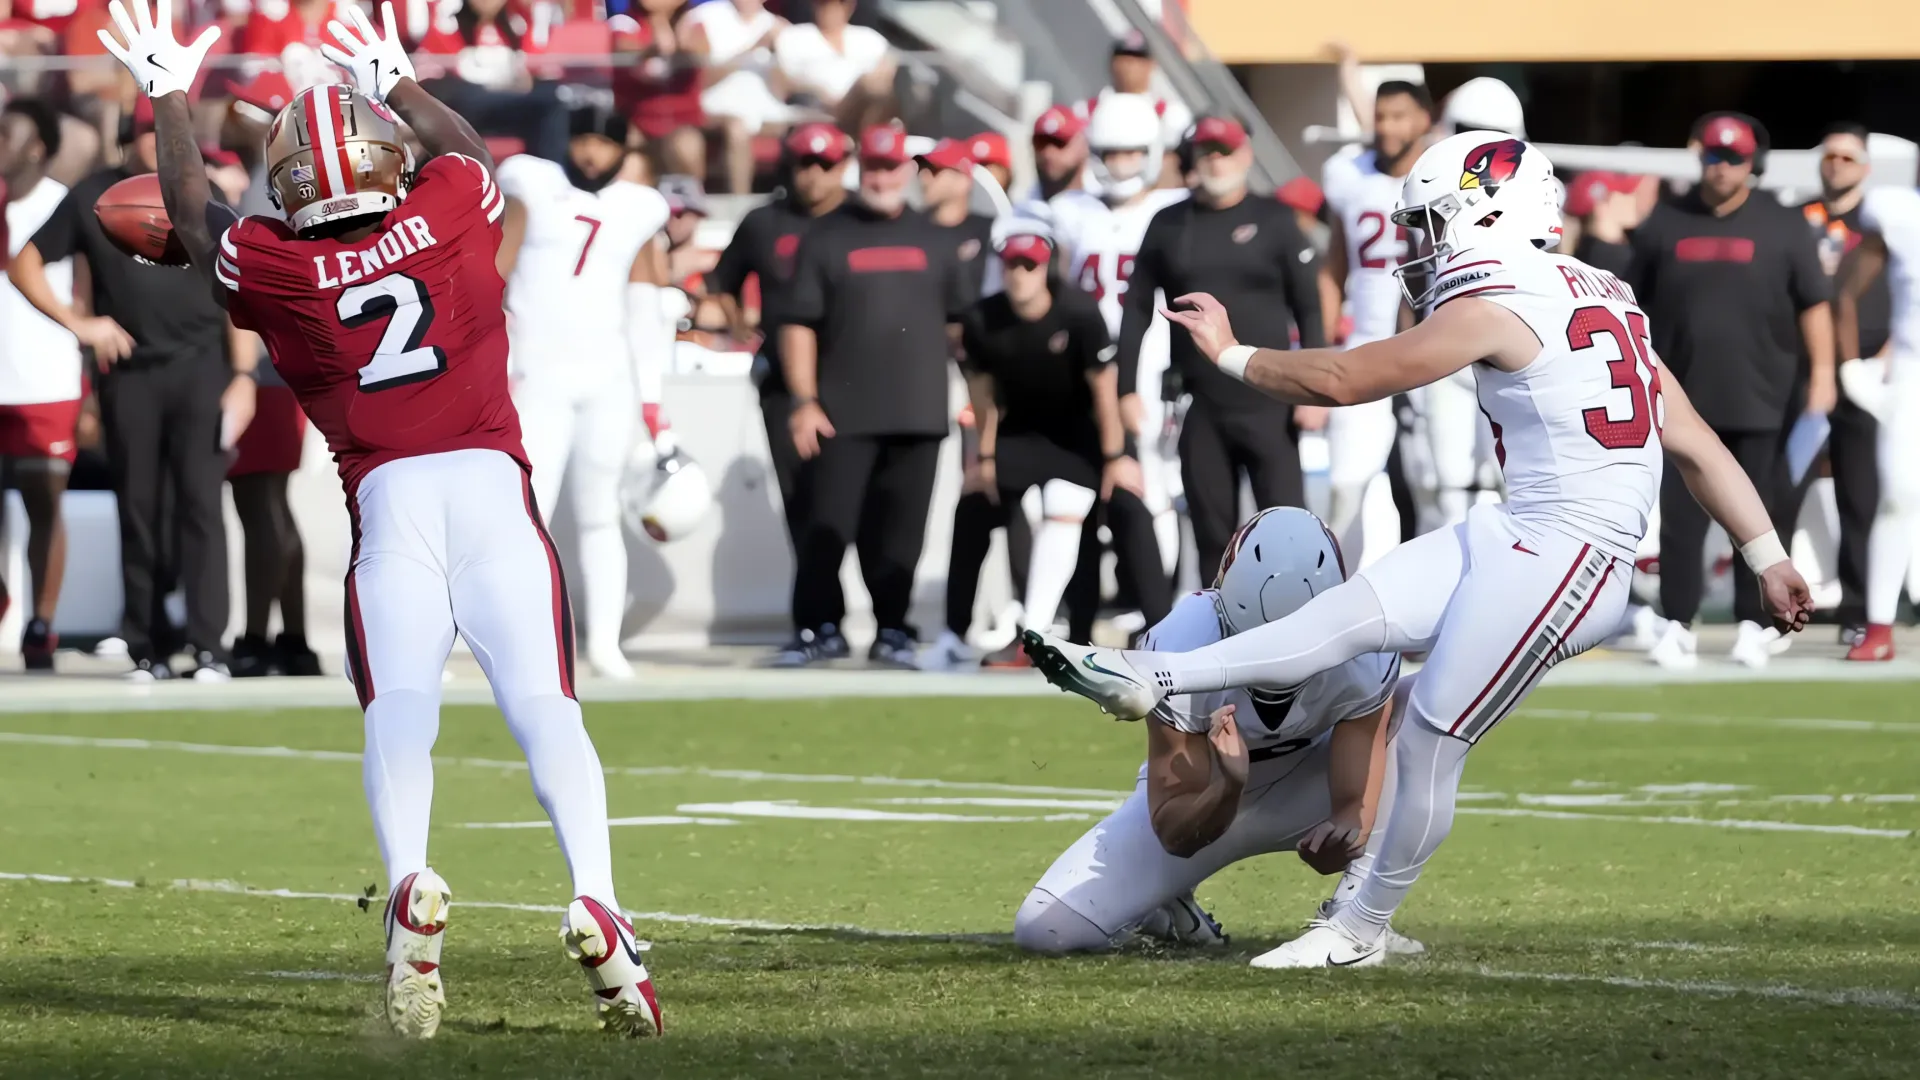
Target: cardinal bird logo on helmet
[(1492, 164)]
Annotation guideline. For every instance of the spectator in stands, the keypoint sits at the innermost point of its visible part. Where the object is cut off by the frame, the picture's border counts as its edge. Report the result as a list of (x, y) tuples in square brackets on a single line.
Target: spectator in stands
[(946, 190), (1837, 229), (40, 388), (292, 33), (687, 208), (169, 394), (656, 82), (1059, 152), (866, 356), (735, 40), (1733, 286), (990, 151), (1132, 69), (483, 76), (848, 69)]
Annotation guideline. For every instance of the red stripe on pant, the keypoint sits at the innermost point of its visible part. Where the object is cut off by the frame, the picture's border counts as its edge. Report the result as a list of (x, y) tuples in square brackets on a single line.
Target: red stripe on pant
[(1454, 728), (1545, 663), (562, 605), (356, 628)]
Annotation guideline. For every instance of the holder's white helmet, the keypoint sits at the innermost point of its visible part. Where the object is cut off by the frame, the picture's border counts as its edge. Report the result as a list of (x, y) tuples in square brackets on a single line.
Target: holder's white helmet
[(1473, 188), (668, 499), (1280, 559), (1125, 122)]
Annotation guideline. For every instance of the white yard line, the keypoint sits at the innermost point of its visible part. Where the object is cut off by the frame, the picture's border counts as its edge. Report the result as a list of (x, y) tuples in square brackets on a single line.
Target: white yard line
[(1717, 823), (1797, 723), (1847, 998)]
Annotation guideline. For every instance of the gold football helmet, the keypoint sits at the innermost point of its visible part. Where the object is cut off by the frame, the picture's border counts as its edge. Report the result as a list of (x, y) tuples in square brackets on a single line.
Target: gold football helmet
[(334, 154)]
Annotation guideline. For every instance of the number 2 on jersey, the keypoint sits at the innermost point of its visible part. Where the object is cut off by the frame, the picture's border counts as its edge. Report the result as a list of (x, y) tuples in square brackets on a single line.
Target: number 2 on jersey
[(1376, 221), (1590, 323), (399, 358)]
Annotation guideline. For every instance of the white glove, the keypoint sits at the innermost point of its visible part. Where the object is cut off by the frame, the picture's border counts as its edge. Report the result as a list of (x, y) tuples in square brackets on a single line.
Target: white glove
[(376, 63), (159, 64)]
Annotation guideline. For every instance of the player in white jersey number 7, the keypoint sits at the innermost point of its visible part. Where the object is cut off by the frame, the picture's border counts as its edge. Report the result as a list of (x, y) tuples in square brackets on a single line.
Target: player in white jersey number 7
[(1575, 398)]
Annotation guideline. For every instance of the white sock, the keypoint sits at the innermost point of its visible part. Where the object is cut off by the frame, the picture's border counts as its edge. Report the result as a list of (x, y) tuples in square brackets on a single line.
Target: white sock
[(603, 569), (568, 781), (1343, 514), (1362, 868), (1889, 546), (1332, 628), (1429, 765), (397, 772), (1056, 548)]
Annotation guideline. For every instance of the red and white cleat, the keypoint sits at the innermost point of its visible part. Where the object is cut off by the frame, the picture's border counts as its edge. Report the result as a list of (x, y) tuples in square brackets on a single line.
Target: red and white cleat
[(416, 915), (602, 942), (1877, 645)]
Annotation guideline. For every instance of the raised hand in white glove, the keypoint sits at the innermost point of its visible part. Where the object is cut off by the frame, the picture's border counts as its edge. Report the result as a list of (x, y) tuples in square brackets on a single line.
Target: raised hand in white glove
[(159, 64), (377, 62)]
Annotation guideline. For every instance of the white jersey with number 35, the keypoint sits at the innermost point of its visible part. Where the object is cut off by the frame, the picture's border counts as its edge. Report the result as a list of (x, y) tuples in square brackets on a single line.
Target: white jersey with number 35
[(1364, 198), (568, 293), (1577, 431)]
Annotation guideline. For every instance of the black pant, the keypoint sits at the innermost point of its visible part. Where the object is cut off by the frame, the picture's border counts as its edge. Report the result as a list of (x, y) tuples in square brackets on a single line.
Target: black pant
[(975, 517), (162, 425), (872, 491), (1683, 532), (791, 474), (1856, 489), (1215, 449), (1136, 551)]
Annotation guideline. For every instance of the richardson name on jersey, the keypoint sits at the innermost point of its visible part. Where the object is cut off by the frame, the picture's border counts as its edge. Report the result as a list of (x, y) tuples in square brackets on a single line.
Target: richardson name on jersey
[(407, 236), (1585, 281)]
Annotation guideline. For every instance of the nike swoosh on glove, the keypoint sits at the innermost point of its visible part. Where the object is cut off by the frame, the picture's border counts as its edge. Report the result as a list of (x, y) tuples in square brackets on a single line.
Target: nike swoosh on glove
[(159, 63), (376, 61)]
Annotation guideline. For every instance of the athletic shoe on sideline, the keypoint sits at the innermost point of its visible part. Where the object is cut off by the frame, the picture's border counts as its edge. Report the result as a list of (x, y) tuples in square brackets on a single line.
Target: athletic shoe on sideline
[(810, 647), (295, 657), (416, 917), (1876, 643), (147, 670), (894, 649), (1012, 658), (1677, 650), (37, 644), (947, 653), (602, 942)]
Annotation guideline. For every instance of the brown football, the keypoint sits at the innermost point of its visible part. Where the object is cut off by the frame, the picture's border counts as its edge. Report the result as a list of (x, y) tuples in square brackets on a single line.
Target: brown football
[(133, 216)]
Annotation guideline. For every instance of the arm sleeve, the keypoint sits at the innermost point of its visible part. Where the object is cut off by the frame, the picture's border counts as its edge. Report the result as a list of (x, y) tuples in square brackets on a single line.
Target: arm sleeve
[(729, 275), (1137, 313), (1096, 345), (59, 237), (1807, 280), (807, 292), (1300, 272)]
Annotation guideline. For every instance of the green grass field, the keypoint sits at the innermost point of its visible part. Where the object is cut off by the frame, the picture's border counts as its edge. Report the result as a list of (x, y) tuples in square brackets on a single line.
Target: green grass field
[(1593, 916)]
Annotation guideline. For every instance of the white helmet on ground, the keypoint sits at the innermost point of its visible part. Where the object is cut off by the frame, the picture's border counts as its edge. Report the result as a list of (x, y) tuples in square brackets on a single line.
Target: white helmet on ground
[(1474, 188), (667, 498), (1484, 104), (1280, 559), (1125, 122)]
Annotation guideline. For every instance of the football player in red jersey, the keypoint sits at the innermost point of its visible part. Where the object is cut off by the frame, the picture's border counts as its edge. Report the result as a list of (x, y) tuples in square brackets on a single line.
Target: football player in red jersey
[(381, 307)]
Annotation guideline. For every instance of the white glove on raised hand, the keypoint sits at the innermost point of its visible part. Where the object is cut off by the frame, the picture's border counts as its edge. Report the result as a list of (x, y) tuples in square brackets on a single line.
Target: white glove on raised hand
[(159, 64), (376, 62)]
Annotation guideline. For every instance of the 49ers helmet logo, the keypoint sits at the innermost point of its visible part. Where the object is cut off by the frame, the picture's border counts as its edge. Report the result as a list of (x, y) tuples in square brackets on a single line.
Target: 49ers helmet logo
[(1492, 164)]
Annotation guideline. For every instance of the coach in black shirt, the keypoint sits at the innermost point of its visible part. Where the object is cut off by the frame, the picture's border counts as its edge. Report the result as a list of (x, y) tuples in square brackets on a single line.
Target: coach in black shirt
[(946, 187), (163, 343), (1732, 283), (1230, 243), (866, 356)]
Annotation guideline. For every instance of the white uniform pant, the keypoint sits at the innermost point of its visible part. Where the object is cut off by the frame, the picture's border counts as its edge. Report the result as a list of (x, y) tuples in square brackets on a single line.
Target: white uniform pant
[(1449, 455), (1117, 873), (1159, 462), (448, 543), (578, 431), (1890, 545), (1359, 441)]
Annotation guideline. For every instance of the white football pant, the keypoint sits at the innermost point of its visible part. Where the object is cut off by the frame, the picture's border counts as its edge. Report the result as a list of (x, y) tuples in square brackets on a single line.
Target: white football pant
[(1890, 545), (1359, 442), (1450, 413)]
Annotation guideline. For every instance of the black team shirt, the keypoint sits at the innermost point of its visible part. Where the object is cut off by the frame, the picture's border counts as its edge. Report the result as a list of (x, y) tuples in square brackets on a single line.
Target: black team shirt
[(1724, 295), (1253, 258), (765, 244), (879, 293), (1040, 368), (973, 246), (1833, 237)]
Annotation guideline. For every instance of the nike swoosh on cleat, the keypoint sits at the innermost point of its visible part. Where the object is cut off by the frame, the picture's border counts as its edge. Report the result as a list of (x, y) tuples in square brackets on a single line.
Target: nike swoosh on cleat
[(1349, 963), (1087, 662)]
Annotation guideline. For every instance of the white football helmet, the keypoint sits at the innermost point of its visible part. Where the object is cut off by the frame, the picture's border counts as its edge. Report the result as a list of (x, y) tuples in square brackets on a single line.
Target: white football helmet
[(1474, 188), (666, 496), (1280, 559), (1484, 104), (1125, 122)]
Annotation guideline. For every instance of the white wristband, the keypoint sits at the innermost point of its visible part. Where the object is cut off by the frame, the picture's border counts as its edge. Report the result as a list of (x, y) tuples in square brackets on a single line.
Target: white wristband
[(1234, 360), (1763, 552)]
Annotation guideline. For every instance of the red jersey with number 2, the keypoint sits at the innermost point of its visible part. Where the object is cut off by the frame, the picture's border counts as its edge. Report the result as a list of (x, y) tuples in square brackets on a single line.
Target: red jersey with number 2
[(395, 344)]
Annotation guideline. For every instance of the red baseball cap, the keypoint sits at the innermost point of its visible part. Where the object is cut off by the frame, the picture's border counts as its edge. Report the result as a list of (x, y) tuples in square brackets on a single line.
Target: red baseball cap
[(948, 154), (1302, 194), (1026, 247), (990, 148), (884, 144), (1729, 133), (817, 140), (1587, 189), (1058, 124), (1221, 131)]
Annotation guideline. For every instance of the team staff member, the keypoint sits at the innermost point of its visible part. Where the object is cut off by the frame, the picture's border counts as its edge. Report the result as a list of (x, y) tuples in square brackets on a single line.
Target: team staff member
[(814, 160), (865, 353), (1733, 286), (1835, 220), (1045, 396), (946, 189), (1229, 243), (168, 382), (1059, 152), (39, 375)]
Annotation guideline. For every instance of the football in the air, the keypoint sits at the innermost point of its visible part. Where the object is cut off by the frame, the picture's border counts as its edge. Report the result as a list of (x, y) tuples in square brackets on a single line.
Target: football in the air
[(133, 216)]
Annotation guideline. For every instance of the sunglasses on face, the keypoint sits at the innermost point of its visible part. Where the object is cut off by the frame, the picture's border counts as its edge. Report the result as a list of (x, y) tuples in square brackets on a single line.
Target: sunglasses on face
[(1214, 149), (1022, 264), (816, 163), (1720, 155), (1049, 140)]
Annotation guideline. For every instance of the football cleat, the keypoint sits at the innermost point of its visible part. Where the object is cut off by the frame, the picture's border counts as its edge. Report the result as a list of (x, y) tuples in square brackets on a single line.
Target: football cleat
[(1396, 943), (1182, 921), (1102, 676), (1323, 945), (1876, 643), (610, 663), (602, 942), (416, 915)]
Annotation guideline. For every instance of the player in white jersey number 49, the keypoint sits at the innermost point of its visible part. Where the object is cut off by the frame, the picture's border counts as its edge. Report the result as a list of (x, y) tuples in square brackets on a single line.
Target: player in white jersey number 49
[(1560, 354)]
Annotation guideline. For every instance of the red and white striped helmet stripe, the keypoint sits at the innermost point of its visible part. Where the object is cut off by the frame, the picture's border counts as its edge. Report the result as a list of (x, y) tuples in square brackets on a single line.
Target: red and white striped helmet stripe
[(322, 107)]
